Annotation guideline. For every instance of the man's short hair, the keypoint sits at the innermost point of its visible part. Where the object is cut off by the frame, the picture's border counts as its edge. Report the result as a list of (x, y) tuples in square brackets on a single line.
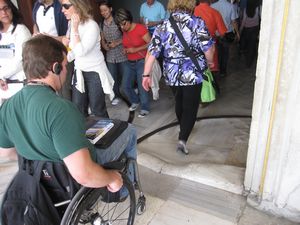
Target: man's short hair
[(39, 54)]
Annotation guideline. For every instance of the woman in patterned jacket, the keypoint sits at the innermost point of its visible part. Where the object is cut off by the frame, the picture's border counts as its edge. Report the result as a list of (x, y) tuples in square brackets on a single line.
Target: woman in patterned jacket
[(179, 71)]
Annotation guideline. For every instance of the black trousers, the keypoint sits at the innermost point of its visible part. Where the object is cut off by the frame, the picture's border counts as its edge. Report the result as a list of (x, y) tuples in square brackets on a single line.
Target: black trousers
[(249, 43), (187, 99), (223, 56)]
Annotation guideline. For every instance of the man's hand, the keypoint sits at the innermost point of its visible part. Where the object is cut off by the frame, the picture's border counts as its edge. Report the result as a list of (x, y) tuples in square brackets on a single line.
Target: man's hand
[(90, 174), (3, 85), (117, 182)]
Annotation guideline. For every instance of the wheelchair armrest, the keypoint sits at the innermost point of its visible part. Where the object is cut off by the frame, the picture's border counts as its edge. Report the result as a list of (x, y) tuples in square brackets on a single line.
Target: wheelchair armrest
[(115, 165), (120, 164)]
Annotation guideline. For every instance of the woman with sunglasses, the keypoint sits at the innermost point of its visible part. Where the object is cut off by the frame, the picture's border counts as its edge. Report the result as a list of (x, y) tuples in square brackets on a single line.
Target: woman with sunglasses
[(135, 41), (91, 80), (12, 36)]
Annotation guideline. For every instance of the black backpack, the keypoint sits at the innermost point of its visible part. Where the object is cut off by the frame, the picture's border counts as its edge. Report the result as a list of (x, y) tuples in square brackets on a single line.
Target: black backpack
[(28, 199)]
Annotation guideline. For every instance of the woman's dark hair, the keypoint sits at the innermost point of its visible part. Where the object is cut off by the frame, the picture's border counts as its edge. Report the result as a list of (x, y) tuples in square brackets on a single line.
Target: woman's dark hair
[(16, 15), (107, 4), (123, 15), (104, 2), (251, 6)]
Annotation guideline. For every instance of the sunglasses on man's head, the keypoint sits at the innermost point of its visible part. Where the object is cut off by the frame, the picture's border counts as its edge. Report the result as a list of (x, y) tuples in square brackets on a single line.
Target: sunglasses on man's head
[(67, 6)]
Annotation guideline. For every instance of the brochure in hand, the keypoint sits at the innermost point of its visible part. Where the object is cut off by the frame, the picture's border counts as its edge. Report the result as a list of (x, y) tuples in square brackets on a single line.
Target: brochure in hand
[(98, 130)]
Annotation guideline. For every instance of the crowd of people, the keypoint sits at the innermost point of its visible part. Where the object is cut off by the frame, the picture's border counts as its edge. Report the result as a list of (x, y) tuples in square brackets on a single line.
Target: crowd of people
[(115, 56), (52, 80), (116, 69), (38, 124)]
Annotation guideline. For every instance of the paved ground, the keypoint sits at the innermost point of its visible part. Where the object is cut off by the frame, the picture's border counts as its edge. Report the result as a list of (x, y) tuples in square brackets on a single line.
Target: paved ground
[(176, 201), (218, 143)]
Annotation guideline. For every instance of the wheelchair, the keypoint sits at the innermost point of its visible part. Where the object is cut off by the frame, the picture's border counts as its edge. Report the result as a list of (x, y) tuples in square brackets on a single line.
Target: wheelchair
[(97, 206), (90, 206)]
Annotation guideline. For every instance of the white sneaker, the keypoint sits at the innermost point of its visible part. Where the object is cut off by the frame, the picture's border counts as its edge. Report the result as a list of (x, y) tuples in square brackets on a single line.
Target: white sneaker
[(133, 106), (143, 113), (181, 147), (115, 101)]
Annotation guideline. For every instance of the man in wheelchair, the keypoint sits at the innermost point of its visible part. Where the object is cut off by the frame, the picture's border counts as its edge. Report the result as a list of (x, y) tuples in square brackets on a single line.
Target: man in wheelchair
[(39, 125)]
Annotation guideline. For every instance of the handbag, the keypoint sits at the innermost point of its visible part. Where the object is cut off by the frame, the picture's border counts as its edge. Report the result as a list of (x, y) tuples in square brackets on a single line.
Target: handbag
[(208, 92), (111, 135)]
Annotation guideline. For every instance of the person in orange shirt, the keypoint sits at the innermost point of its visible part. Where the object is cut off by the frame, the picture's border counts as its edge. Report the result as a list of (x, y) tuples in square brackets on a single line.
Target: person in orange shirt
[(215, 25)]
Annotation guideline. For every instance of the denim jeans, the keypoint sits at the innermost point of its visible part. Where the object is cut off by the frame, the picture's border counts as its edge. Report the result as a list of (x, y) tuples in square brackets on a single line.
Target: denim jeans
[(93, 95), (134, 75), (117, 70), (126, 143)]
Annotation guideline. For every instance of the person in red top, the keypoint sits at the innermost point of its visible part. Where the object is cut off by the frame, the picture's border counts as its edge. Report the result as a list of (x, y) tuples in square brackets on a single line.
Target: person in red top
[(135, 42), (214, 22)]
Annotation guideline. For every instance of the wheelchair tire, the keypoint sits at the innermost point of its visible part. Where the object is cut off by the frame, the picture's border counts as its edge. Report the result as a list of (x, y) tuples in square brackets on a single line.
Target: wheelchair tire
[(141, 205), (90, 207)]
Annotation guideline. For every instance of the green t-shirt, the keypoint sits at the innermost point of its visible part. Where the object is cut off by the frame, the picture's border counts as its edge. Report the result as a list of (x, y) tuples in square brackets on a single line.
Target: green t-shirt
[(42, 125)]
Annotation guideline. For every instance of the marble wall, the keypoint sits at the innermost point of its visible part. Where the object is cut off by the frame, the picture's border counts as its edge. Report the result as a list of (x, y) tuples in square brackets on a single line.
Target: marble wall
[(272, 173)]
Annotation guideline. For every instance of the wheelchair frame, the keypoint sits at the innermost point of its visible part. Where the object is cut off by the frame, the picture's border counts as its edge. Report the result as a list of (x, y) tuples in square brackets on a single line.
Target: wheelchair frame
[(85, 206)]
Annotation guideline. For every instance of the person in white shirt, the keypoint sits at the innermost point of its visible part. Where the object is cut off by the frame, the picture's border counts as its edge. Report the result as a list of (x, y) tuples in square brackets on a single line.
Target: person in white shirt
[(12, 36), (49, 19), (91, 80)]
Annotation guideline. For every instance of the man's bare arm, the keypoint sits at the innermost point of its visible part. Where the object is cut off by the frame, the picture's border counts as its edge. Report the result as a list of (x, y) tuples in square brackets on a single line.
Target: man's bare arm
[(8, 153), (90, 174)]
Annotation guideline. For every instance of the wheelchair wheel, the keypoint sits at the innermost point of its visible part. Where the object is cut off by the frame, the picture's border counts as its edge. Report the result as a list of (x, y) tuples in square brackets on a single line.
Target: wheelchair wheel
[(91, 206), (141, 205)]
